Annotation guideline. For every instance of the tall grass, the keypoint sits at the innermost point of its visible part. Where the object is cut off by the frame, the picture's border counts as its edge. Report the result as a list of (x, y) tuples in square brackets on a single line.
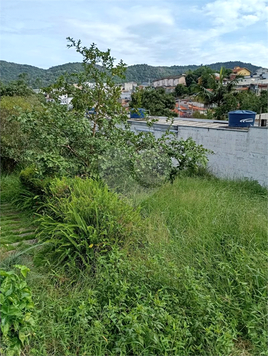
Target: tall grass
[(9, 187), (12, 191), (219, 230), (205, 216)]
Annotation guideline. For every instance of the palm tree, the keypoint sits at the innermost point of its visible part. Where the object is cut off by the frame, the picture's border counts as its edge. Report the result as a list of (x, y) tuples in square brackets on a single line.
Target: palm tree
[(219, 89)]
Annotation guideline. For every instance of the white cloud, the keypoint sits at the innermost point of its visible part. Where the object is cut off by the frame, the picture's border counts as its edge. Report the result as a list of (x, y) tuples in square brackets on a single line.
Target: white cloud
[(220, 51), (148, 14), (132, 32), (228, 15)]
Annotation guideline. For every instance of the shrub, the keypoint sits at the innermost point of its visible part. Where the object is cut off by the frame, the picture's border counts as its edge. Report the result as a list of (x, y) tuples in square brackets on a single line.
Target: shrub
[(31, 180), (14, 139), (26, 190), (83, 217)]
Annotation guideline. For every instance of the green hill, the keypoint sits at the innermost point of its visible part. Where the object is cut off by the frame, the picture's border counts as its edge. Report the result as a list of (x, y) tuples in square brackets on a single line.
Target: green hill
[(38, 77)]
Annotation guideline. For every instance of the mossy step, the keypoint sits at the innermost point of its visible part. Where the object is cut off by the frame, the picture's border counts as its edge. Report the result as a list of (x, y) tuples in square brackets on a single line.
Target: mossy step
[(9, 212), (18, 224), (10, 224), (4, 205), (10, 248), (10, 218), (17, 238), (27, 234), (4, 217), (22, 229), (8, 209), (16, 230), (15, 226), (28, 242), (8, 234)]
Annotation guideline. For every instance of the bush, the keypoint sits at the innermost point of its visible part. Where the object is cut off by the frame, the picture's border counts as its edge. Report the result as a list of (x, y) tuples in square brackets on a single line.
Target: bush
[(17, 307), (14, 140), (26, 190), (31, 180), (83, 217)]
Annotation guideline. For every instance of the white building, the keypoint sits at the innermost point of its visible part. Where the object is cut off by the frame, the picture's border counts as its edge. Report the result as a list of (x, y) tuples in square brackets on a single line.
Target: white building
[(129, 86), (169, 82)]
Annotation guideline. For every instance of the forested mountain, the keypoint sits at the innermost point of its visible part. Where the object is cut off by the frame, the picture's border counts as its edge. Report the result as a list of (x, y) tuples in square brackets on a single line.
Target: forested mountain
[(144, 73), (38, 77)]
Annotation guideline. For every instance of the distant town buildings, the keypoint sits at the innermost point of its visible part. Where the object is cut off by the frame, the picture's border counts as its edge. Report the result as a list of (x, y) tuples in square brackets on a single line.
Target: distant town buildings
[(256, 81), (169, 83), (253, 83), (261, 73)]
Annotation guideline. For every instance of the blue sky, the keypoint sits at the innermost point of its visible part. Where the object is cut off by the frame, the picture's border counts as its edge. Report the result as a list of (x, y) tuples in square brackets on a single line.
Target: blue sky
[(155, 32)]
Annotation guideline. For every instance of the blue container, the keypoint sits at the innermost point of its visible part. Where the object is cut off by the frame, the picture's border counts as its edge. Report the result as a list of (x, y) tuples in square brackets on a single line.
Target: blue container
[(137, 113), (91, 111), (241, 118)]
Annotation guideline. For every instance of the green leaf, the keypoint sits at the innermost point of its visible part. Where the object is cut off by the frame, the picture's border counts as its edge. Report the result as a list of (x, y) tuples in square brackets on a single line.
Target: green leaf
[(22, 336), (24, 270), (5, 328)]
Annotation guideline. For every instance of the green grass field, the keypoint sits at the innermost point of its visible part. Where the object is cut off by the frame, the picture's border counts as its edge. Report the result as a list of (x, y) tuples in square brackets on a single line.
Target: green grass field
[(194, 284)]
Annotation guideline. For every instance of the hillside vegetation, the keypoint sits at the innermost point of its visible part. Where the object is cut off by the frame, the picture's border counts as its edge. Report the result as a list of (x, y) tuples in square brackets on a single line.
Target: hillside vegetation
[(38, 77)]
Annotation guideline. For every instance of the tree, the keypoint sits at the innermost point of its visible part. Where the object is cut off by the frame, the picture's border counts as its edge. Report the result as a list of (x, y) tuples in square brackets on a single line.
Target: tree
[(219, 94), (263, 101), (96, 85), (247, 100), (180, 90), (58, 142), (156, 101), (203, 75), (190, 78), (206, 78), (13, 139), (18, 87), (229, 103)]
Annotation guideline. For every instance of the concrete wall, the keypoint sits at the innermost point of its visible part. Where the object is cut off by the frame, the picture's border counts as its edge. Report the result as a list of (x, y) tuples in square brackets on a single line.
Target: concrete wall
[(238, 153)]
